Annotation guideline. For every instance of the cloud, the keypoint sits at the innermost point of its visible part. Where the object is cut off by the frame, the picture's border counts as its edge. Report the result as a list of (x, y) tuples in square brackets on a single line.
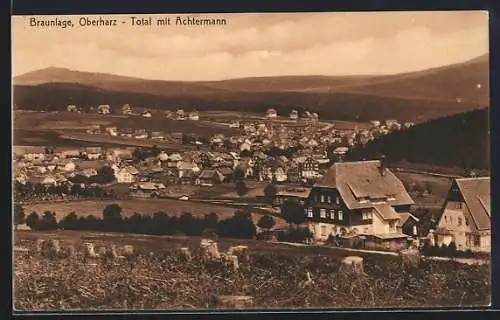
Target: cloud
[(260, 45)]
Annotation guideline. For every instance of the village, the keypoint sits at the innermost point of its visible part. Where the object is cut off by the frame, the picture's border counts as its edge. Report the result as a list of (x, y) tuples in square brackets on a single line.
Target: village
[(303, 159)]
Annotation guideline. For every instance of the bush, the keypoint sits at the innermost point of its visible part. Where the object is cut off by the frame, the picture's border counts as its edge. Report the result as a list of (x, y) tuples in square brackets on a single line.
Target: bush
[(239, 226), (297, 235), (266, 222), (270, 191)]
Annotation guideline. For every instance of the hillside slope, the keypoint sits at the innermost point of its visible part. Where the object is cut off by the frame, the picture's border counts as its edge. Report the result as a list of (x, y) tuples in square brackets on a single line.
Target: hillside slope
[(461, 140), (415, 96)]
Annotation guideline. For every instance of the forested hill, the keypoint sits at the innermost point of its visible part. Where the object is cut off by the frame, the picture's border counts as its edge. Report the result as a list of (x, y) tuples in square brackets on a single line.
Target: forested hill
[(461, 140)]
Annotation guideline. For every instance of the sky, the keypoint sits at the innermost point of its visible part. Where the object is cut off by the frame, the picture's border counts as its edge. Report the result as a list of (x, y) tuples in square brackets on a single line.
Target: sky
[(254, 45)]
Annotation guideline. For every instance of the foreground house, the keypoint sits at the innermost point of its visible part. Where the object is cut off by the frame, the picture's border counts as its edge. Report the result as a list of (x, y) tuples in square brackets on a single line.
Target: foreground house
[(359, 198), (466, 217), (299, 195)]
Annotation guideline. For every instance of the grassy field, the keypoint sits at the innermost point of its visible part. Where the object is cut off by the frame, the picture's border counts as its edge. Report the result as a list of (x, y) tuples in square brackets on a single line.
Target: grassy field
[(274, 275), (439, 186), (129, 207)]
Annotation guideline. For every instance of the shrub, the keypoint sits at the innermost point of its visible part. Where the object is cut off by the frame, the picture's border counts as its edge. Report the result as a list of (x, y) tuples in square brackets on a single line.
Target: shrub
[(270, 191), (266, 222)]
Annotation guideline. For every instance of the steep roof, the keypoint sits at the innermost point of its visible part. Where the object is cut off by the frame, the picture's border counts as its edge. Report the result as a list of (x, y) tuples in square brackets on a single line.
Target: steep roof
[(386, 212), (477, 196), (361, 180)]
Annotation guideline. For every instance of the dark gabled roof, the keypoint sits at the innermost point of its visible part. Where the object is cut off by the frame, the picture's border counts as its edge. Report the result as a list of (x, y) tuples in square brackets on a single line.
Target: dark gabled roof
[(386, 212), (477, 195), (362, 180)]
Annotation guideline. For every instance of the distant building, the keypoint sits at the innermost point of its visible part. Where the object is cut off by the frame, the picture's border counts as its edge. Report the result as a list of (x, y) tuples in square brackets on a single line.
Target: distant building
[(271, 113), (180, 114), (72, 108), (127, 174), (375, 123), (112, 131), (466, 217), (157, 135), (294, 115), (234, 124), (104, 109), (126, 109), (408, 124), (194, 115), (146, 114)]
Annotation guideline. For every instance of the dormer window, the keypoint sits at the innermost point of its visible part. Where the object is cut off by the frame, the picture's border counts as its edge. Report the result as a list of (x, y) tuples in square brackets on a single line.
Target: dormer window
[(391, 197)]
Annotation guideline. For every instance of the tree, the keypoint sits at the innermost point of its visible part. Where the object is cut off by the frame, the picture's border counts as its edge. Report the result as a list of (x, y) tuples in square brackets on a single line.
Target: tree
[(266, 222), (239, 226), (238, 174), (33, 221), (270, 191), (48, 221), (19, 215), (211, 220), (105, 174), (70, 222), (241, 188), (293, 212), (112, 217)]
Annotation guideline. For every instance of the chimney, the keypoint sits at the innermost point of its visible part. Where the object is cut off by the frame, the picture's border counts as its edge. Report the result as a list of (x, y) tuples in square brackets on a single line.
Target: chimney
[(383, 165)]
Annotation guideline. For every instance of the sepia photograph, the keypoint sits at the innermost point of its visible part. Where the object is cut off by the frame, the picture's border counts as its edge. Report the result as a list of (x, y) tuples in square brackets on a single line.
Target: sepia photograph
[(251, 161)]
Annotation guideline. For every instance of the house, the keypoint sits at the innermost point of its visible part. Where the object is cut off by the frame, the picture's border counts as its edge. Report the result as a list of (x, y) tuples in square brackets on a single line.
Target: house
[(175, 157), (271, 113), (340, 153), (279, 174), (112, 131), (157, 135), (358, 198), (408, 224), (163, 156), (293, 173), (69, 154), (210, 177), (188, 178), (291, 194), (375, 123), (194, 115), (126, 109), (168, 114), (140, 134), (146, 114), (126, 174), (234, 124), (104, 109), (67, 165), (309, 168), (466, 217), (94, 129), (294, 115), (408, 124), (245, 146), (184, 167), (180, 114), (72, 108)]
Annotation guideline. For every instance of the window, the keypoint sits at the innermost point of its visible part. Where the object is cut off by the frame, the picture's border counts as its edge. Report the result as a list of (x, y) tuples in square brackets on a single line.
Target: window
[(332, 214), (337, 200), (322, 197), (341, 215), (391, 225), (329, 199), (477, 241), (445, 219), (365, 230), (466, 221), (459, 221), (309, 212), (367, 215), (322, 213)]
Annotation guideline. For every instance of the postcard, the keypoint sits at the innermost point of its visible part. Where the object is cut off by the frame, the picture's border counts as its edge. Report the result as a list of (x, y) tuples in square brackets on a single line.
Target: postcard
[(270, 161)]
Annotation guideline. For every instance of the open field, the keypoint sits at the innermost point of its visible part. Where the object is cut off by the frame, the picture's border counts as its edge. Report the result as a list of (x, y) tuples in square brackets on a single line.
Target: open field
[(144, 206), (439, 186), (275, 276)]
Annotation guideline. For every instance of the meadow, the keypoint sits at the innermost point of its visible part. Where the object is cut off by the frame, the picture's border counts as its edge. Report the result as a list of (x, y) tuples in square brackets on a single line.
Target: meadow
[(157, 278)]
